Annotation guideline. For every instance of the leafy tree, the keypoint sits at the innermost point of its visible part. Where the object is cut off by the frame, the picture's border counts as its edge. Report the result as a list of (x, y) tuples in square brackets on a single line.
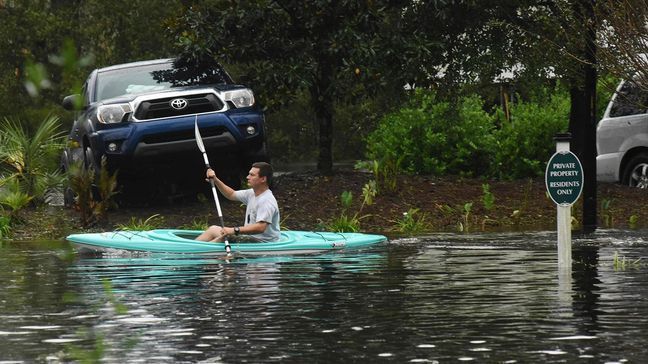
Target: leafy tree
[(552, 38), (334, 51), (623, 40), (557, 36), (574, 26), (120, 31), (29, 32), (40, 39)]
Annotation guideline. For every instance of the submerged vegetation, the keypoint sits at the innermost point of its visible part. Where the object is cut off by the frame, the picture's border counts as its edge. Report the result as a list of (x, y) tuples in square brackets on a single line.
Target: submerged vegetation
[(414, 222), (621, 262)]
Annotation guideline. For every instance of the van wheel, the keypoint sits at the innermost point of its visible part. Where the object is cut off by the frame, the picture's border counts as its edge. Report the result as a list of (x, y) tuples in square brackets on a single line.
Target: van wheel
[(636, 172)]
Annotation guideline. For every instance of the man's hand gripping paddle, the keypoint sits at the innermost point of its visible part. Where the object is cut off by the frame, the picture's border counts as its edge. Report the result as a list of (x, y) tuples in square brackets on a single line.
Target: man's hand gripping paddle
[(201, 146)]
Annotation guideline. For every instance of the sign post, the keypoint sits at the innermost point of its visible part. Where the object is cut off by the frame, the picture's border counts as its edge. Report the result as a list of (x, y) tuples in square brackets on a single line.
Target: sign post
[(564, 182)]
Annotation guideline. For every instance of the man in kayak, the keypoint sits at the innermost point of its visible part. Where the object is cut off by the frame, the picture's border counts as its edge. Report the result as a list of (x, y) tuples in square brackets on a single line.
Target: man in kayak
[(261, 214)]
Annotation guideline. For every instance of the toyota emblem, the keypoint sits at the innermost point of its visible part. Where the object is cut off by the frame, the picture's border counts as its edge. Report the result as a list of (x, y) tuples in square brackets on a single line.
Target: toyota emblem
[(178, 104)]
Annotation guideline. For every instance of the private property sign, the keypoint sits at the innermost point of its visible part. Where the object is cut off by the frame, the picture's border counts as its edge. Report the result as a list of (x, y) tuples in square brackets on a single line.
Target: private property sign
[(564, 178)]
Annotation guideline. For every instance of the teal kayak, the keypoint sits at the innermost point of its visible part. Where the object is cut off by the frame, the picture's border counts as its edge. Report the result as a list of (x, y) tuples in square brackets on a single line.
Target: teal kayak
[(182, 241)]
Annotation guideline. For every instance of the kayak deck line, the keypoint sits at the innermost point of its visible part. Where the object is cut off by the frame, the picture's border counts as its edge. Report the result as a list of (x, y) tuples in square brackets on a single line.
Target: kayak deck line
[(132, 232)]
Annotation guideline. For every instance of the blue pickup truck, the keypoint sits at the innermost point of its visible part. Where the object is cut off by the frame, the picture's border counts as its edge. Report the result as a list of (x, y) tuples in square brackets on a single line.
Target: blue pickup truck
[(140, 117)]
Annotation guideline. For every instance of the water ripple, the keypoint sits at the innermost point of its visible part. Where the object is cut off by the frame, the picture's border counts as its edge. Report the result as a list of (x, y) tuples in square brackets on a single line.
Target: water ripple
[(439, 298)]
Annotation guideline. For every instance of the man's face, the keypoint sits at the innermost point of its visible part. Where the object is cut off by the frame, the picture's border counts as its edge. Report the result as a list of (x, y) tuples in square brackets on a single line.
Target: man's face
[(253, 177)]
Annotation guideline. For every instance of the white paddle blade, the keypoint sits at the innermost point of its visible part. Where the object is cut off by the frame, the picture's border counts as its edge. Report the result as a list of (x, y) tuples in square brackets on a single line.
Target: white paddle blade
[(199, 141)]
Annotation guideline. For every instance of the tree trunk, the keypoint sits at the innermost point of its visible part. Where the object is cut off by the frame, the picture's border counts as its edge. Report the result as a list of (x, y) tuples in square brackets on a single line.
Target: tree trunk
[(325, 158), (323, 106), (583, 144), (589, 149), (583, 118)]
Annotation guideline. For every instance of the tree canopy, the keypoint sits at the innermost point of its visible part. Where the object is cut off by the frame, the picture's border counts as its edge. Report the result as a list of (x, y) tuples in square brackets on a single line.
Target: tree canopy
[(55, 43), (347, 50), (335, 52)]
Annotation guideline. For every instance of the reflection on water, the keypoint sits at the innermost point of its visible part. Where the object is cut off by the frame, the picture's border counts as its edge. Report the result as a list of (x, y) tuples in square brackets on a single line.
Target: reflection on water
[(482, 298)]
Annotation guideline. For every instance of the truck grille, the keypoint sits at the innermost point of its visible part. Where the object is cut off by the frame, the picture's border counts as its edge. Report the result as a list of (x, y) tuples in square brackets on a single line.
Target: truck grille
[(161, 108), (182, 135)]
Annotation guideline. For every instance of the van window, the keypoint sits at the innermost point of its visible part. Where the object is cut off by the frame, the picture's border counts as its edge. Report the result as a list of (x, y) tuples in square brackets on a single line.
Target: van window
[(630, 100)]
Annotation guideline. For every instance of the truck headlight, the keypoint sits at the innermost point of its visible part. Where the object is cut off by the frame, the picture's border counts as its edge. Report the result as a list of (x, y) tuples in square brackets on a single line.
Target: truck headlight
[(110, 114), (240, 98)]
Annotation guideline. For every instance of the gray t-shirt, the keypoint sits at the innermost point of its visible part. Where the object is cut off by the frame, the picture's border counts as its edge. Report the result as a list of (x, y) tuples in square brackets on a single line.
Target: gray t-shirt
[(262, 208)]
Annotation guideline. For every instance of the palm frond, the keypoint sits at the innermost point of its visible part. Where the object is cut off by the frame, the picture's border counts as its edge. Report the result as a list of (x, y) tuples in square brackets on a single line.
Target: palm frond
[(30, 158)]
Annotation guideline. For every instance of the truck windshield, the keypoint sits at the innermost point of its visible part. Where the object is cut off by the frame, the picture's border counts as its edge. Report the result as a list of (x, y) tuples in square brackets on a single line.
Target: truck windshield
[(153, 78)]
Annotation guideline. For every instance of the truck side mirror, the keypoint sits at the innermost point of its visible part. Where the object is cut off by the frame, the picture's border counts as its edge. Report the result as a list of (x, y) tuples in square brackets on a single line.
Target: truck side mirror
[(72, 102)]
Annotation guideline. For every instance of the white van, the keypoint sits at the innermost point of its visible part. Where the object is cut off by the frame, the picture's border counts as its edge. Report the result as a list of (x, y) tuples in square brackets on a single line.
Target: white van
[(622, 137)]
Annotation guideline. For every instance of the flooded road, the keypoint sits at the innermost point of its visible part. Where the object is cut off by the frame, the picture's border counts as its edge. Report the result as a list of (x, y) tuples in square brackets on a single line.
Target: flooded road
[(440, 298)]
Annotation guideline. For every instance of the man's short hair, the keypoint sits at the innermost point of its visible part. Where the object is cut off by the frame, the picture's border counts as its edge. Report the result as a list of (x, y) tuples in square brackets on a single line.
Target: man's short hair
[(265, 170)]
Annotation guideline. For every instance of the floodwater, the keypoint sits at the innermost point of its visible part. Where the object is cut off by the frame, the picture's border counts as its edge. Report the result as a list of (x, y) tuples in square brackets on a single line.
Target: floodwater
[(492, 298)]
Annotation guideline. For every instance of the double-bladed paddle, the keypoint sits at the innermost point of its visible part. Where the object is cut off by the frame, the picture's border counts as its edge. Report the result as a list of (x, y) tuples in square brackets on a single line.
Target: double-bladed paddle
[(201, 146)]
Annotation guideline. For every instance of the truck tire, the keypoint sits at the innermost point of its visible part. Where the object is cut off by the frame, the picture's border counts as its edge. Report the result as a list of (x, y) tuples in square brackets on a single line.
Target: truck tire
[(635, 173)]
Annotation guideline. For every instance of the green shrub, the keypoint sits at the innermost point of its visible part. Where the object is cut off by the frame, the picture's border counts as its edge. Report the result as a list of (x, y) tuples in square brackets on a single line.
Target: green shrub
[(431, 136), (428, 136), (31, 157), (526, 142), (12, 197), (5, 226)]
